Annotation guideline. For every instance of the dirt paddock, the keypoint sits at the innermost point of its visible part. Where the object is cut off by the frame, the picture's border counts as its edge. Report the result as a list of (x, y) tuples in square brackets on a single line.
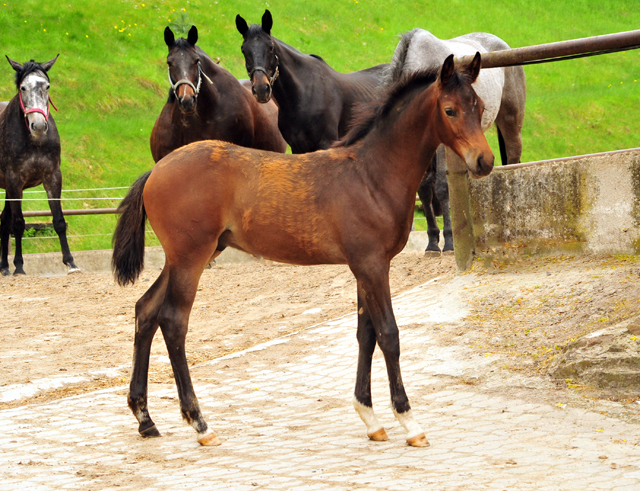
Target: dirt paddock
[(66, 335)]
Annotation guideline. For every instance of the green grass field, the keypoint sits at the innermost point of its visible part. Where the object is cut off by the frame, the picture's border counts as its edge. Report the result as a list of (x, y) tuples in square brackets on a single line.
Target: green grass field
[(110, 81)]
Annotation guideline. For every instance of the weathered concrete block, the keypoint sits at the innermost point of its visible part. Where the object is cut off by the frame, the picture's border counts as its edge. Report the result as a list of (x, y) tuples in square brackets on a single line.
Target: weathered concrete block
[(608, 359), (587, 204)]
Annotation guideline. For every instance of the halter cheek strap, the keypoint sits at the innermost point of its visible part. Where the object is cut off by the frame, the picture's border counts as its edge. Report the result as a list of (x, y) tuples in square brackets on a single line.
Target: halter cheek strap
[(35, 109), (184, 81), (273, 78)]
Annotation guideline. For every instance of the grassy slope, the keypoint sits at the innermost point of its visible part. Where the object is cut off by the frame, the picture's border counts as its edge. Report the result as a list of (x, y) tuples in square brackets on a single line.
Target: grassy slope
[(110, 81)]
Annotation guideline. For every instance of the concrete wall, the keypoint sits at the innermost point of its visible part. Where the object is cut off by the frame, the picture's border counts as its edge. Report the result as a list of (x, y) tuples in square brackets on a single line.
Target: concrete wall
[(586, 204)]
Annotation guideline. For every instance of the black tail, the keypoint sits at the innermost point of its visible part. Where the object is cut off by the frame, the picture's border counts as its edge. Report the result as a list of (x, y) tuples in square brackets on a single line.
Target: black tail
[(128, 239), (503, 149)]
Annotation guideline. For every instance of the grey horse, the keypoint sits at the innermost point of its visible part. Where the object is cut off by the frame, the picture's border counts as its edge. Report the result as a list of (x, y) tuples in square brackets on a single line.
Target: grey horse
[(503, 91)]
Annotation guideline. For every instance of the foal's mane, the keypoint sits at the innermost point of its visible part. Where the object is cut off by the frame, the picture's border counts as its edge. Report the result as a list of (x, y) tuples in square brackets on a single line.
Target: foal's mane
[(366, 115), (28, 68)]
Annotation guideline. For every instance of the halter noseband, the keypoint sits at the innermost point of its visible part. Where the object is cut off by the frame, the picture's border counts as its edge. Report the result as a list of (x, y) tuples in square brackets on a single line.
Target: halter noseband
[(184, 81), (272, 79), (35, 109)]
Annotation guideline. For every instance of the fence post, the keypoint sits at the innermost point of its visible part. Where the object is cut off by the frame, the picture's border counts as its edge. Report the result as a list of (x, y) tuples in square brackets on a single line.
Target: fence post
[(461, 219)]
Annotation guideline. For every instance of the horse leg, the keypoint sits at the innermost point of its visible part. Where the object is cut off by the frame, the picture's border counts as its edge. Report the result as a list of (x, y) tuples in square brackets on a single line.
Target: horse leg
[(510, 117), (5, 237), (174, 319), (425, 193), (373, 276), (17, 226), (362, 395), (146, 326), (53, 187), (442, 193)]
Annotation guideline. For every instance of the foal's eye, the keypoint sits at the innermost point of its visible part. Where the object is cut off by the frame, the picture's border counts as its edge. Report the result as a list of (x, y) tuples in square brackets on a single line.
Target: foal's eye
[(23, 88), (48, 86), (450, 112)]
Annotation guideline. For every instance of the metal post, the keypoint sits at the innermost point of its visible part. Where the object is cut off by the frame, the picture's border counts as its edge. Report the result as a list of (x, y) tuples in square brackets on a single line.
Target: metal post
[(553, 51)]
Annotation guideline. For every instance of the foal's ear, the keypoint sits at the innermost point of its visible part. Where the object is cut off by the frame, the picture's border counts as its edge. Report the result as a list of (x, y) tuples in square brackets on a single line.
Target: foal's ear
[(192, 37), (241, 25), (16, 66), (267, 22), (169, 38), (47, 65), (473, 69), (448, 69)]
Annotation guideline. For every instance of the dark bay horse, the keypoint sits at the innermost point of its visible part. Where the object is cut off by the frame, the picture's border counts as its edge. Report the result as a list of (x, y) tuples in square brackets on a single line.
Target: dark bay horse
[(29, 156), (206, 102), (316, 102), (352, 204), (503, 91)]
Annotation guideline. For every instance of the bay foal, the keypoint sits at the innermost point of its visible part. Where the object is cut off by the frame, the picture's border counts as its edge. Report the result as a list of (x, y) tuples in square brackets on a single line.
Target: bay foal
[(352, 205)]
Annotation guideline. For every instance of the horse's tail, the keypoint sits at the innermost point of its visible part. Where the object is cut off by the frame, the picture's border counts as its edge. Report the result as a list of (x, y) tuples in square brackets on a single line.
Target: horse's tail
[(128, 239), (503, 148)]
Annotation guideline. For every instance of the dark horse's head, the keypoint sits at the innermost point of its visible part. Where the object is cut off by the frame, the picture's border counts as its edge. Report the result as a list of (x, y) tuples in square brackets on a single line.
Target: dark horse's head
[(33, 85), (260, 58), (185, 72)]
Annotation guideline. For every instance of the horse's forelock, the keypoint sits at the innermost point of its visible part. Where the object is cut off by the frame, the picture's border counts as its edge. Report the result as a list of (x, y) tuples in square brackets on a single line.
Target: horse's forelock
[(254, 31), (182, 43), (28, 68)]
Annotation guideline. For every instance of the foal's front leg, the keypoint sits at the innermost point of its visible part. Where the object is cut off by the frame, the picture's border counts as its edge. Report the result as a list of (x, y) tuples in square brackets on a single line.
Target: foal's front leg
[(362, 397), (374, 281)]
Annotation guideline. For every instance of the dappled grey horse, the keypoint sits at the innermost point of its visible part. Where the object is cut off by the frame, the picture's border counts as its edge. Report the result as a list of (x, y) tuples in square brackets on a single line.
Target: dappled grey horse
[(503, 91), (29, 156)]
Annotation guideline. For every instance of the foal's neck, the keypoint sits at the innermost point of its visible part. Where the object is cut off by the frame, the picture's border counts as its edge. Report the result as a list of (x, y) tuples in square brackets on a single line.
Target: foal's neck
[(404, 141)]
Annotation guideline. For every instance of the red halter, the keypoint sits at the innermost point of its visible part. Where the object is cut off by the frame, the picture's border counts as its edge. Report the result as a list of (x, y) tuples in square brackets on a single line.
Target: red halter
[(35, 109)]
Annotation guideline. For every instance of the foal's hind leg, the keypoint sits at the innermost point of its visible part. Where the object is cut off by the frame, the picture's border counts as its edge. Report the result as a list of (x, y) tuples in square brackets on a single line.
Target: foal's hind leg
[(147, 309), (174, 323), (362, 397), (373, 281)]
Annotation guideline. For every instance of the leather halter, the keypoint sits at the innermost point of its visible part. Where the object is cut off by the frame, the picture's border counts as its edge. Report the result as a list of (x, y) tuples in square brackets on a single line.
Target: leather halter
[(35, 109), (184, 81), (262, 69)]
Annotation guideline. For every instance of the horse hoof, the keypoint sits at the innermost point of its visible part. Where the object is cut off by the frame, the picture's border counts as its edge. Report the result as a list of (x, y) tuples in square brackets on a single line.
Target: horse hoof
[(447, 253), (209, 440), (379, 436), (74, 270), (151, 432), (431, 253), (19, 272), (418, 441), (5, 272)]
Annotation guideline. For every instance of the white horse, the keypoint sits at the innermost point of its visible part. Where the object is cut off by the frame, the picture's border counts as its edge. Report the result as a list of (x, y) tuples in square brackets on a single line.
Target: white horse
[(503, 91)]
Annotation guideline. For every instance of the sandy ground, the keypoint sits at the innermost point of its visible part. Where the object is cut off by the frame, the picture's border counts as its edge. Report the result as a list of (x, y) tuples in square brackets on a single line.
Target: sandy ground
[(66, 335)]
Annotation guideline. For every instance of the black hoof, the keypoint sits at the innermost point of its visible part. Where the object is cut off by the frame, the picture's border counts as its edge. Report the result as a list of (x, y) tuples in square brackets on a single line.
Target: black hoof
[(151, 432), (18, 272), (5, 272)]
